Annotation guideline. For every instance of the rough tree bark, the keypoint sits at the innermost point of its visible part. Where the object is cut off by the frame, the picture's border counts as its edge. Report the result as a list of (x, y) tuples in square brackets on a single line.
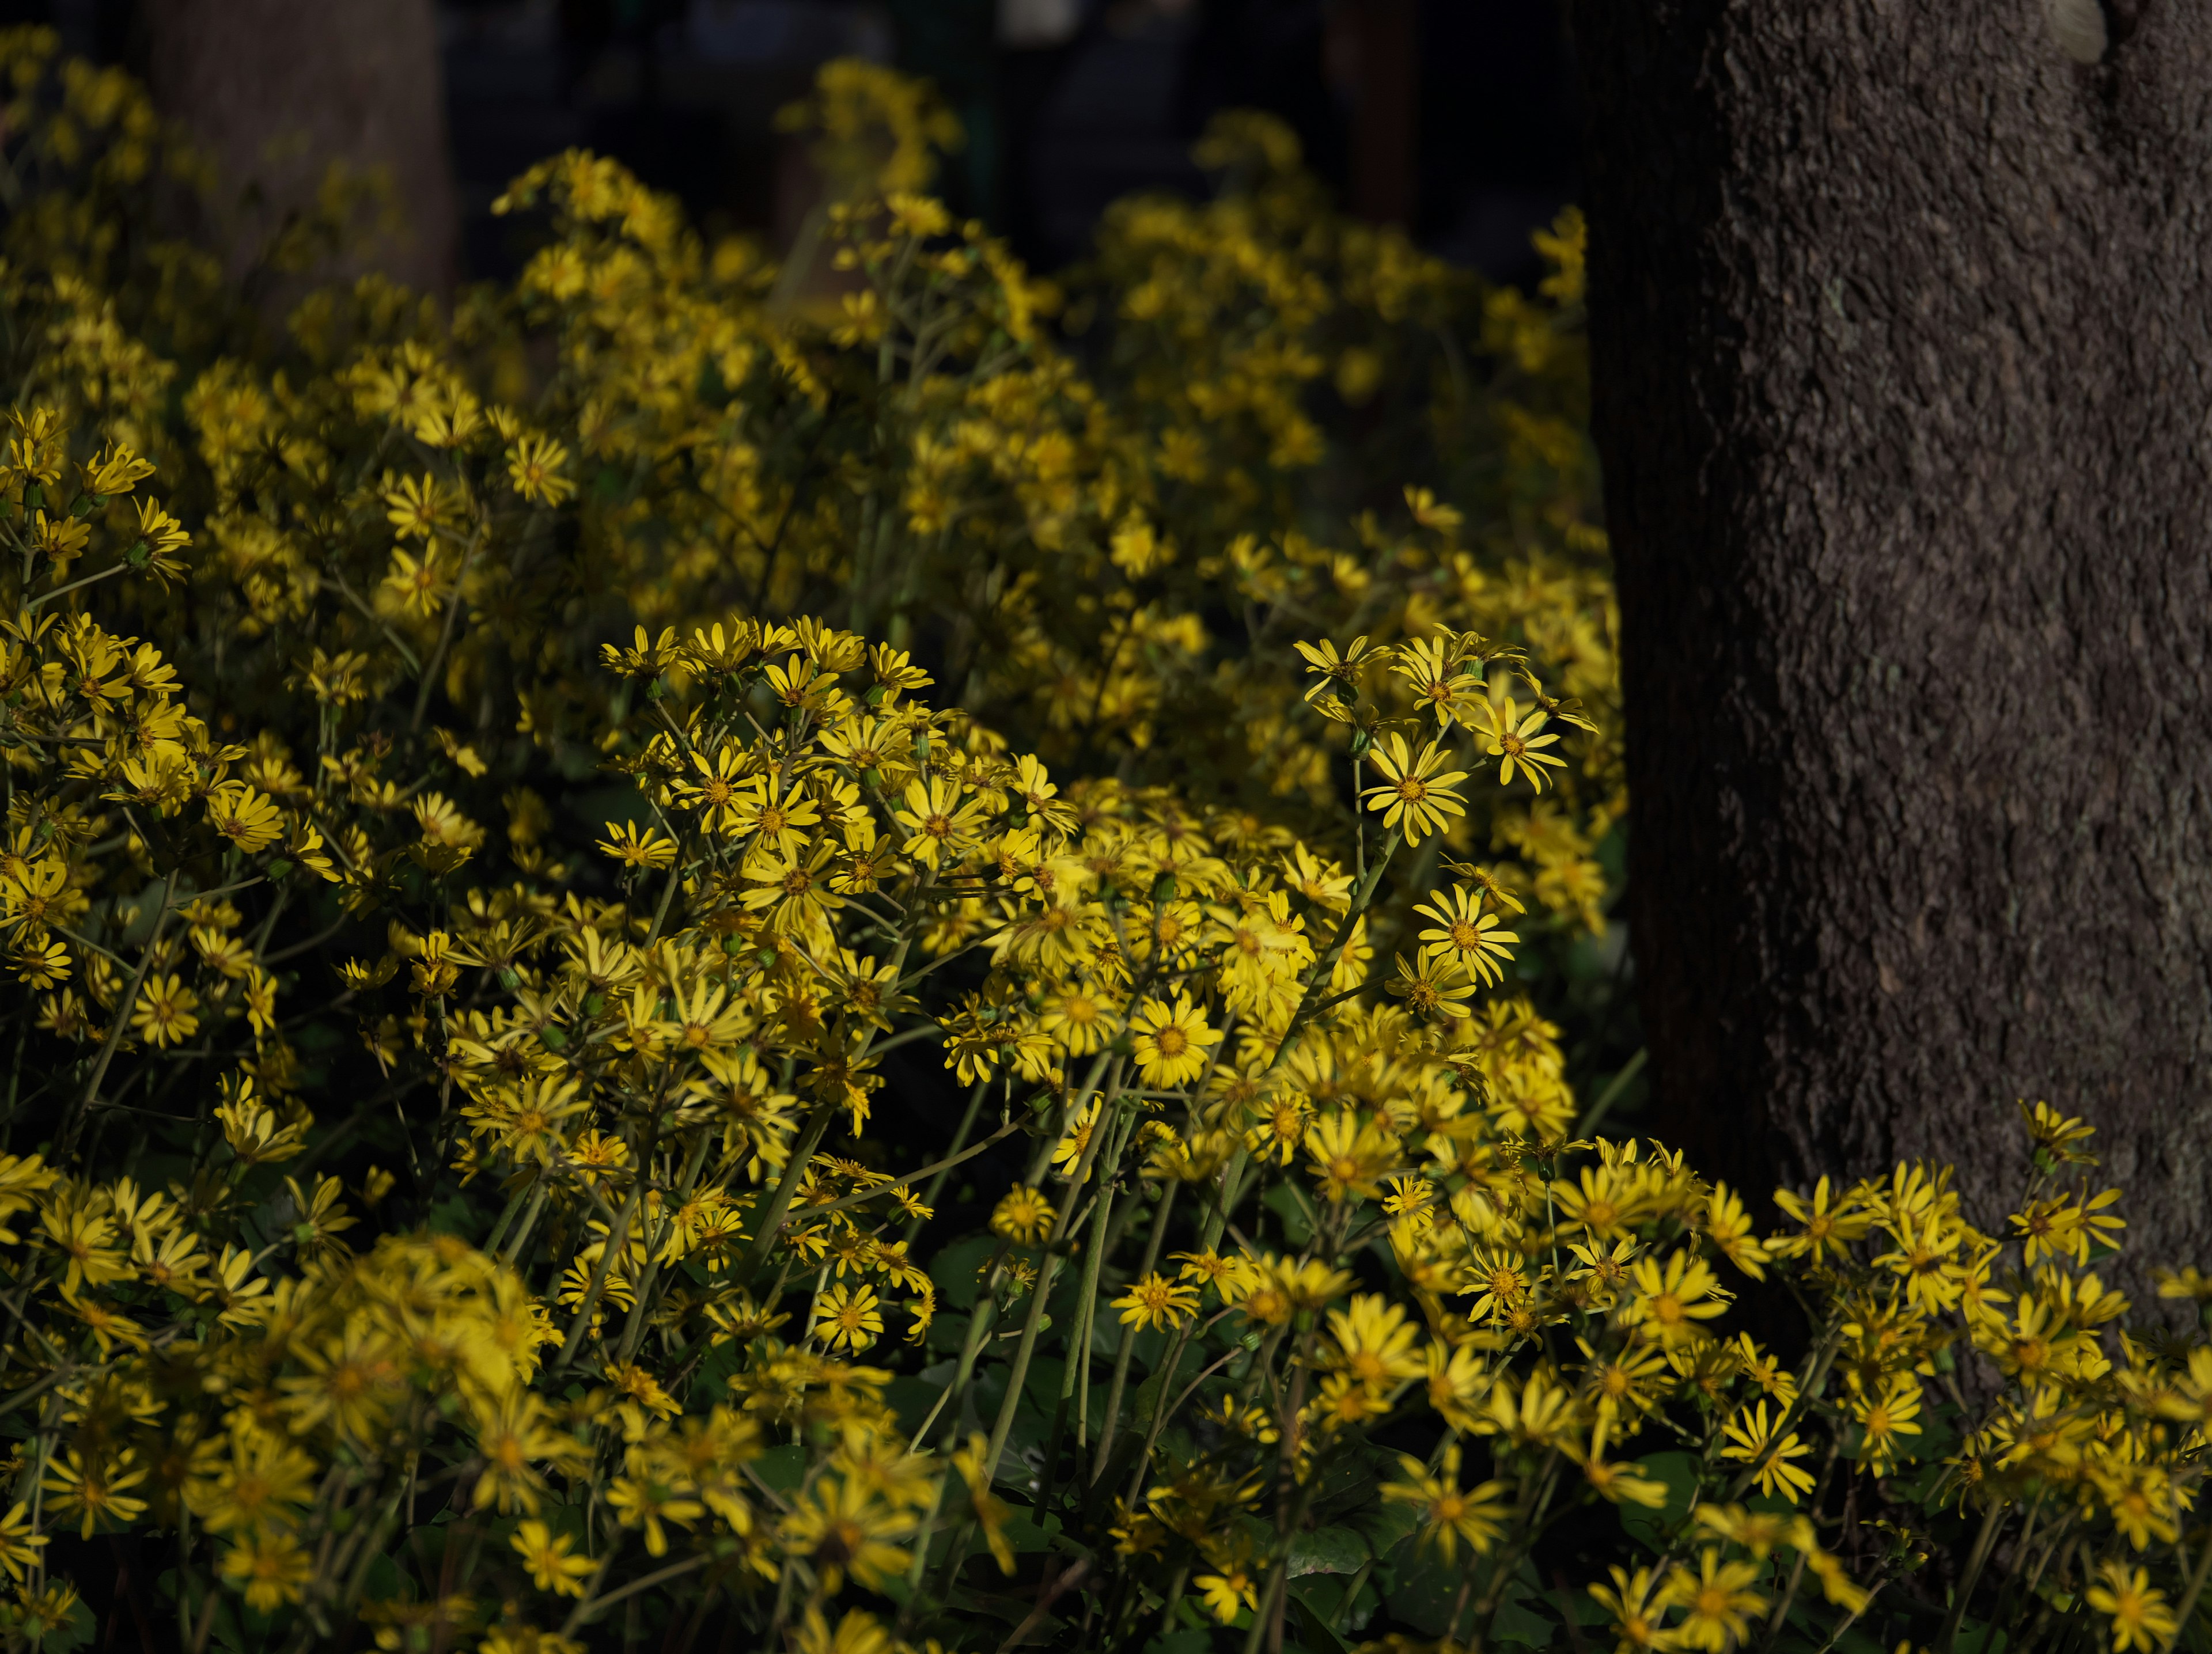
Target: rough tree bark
[(278, 89), (1902, 350)]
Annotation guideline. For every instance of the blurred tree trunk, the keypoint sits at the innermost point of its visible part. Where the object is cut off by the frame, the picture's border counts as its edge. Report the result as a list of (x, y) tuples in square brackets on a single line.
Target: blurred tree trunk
[(1904, 392), (278, 90)]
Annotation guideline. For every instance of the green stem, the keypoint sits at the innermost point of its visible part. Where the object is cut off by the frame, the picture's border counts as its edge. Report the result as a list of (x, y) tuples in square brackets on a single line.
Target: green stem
[(1047, 1266), (953, 1156), (126, 1005), (2187, 1605), (1983, 1541), (1122, 1356), (787, 1189)]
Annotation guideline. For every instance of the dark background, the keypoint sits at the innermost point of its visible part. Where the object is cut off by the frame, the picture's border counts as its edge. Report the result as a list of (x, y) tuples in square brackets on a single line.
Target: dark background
[(1452, 118)]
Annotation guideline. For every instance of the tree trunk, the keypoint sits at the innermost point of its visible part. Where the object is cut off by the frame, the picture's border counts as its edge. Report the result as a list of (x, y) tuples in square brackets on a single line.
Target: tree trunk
[(278, 90), (1903, 382)]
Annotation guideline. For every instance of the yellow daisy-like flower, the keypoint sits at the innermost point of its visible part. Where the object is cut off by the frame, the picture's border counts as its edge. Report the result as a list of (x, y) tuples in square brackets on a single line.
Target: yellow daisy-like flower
[(1023, 1215), (1067, 1154), (633, 848), (1225, 1592), (848, 1317), (41, 965), (1715, 1600), (1515, 739), (1760, 1443), (1638, 1608), (1888, 1411), (1172, 1042), (95, 1489), (1432, 986), (167, 1013), (545, 1553), (419, 585), (939, 828), (1670, 1300), (270, 1567), (19, 1546), (1157, 1301), (1465, 934), (1447, 1513), (1350, 1156), (1417, 797), (535, 465), (1338, 671), (248, 819), (2137, 1610)]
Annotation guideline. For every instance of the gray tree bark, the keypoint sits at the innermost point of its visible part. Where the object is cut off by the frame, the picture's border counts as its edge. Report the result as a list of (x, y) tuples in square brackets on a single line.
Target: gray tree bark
[(1902, 322), (277, 90)]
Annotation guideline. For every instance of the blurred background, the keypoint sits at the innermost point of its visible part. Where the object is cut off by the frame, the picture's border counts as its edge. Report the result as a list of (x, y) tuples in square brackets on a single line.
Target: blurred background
[(1452, 119)]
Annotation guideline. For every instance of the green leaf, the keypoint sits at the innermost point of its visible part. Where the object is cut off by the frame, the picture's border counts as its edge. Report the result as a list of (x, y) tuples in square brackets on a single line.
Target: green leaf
[(1423, 1589), (1180, 1642), (954, 1269), (1283, 1204), (1328, 1550), (781, 1468), (1318, 1635), (1386, 1526), (1679, 1471), (1519, 1620)]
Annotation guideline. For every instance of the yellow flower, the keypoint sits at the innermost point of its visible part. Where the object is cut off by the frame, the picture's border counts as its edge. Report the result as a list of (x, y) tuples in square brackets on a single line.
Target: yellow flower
[(270, 1567), (1227, 1592), (841, 1525), (87, 1239), (1337, 672), (534, 464), (1618, 1483), (1637, 1607), (1447, 1512), (645, 1503), (167, 1013), (858, 1633), (2137, 1610), (1670, 1300), (1465, 934), (418, 585), (1829, 1229), (1753, 1440), (1172, 1043), (939, 828), (1883, 1416), (96, 1487), (19, 1546), (637, 849), (1374, 1342), (350, 1380), (545, 1553), (1023, 1215), (423, 507), (1155, 1301), (1067, 1154), (1514, 740), (1715, 1601), (1432, 987), (258, 1484), (1418, 797), (40, 965), (1349, 1156), (848, 1317), (513, 1437), (970, 1463)]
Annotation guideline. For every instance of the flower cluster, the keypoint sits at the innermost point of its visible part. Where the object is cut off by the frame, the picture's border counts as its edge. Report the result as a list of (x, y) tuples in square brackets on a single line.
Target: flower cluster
[(560, 1093)]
